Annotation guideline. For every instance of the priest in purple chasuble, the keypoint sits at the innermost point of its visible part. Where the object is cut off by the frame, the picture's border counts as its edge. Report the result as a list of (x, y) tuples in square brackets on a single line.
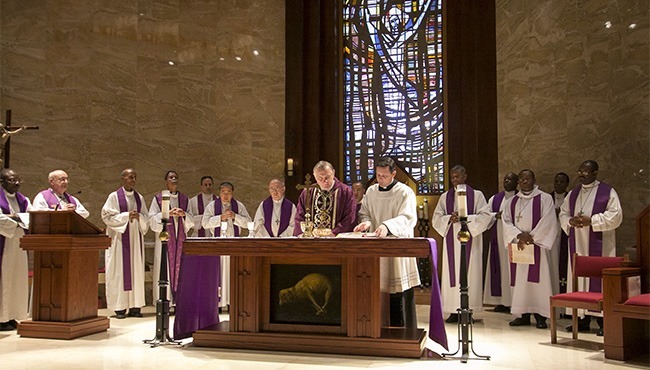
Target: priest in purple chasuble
[(389, 207), (446, 222), (529, 221), (275, 215), (332, 204), (14, 220), (226, 209), (198, 203), (127, 220), (590, 214), (57, 198), (497, 290), (179, 224)]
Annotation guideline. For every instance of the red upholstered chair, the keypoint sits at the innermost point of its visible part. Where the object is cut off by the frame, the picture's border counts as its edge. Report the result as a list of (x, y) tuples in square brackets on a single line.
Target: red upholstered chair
[(583, 266)]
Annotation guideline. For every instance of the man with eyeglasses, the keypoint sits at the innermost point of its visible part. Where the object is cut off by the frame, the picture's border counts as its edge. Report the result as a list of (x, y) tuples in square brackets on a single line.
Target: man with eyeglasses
[(389, 208), (590, 214), (331, 205), (274, 216), (14, 220), (57, 198)]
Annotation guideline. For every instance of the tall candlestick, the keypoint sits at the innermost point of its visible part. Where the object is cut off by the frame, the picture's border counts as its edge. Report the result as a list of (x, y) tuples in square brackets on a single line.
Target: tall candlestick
[(165, 204), (426, 209), (461, 189), (420, 212)]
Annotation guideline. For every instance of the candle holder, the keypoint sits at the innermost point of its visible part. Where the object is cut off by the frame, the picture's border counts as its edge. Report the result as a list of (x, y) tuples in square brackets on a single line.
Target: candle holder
[(465, 333), (162, 304), (423, 227)]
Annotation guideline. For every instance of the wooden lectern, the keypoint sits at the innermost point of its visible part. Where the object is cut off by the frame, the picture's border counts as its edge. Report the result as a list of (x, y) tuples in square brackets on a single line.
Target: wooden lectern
[(66, 251)]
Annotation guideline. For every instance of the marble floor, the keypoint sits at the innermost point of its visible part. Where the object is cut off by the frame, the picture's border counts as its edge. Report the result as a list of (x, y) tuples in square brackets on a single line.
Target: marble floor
[(121, 347)]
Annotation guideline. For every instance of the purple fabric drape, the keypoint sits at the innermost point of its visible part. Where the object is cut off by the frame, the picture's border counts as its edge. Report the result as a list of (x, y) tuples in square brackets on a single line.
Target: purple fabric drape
[(126, 240), (4, 206), (285, 215), (437, 331), (217, 211), (495, 264), (595, 237), (53, 201), (450, 238), (201, 206), (533, 270), (197, 301)]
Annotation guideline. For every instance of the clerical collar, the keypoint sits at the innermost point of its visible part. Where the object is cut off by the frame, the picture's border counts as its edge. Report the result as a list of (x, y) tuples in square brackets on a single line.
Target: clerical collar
[(8, 193), (528, 193), (279, 201), (129, 192), (389, 187), (591, 185)]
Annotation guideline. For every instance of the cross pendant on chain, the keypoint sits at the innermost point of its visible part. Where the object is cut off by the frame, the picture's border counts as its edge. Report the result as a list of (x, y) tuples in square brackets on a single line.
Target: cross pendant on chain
[(519, 216), (277, 222)]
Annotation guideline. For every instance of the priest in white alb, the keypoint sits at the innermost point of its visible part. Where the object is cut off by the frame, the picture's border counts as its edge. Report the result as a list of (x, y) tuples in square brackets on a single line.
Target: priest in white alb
[(529, 222), (14, 220), (590, 214), (274, 216), (126, 218), (179, 224), (446, 222), (57, 198), (198, 204)]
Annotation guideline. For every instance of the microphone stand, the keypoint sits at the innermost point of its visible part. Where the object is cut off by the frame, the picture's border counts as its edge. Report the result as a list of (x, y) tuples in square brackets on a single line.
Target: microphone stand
[(162, 304), (465, 333)]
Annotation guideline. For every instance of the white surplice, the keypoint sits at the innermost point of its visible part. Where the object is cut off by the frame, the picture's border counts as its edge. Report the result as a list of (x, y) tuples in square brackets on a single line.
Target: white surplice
[(397, 210), (116, 222), (40, 204), (155, 223), (504, 264), (14, 282), (197, 216), (478, 222), (531, 297), (212, 221), (260, 231)]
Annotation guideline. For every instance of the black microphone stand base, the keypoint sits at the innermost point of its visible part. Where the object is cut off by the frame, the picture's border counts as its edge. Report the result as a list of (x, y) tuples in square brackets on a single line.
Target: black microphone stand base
[(162, 304)]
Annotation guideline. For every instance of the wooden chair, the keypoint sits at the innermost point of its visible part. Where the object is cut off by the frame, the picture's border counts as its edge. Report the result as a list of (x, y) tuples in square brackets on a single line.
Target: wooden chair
[(627, 316), (583, 266)]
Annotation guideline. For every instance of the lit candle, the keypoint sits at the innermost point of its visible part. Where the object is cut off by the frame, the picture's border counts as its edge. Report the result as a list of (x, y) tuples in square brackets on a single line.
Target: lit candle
[(165, 204), (462, 200), (420, 212), (289, 164), (426, 209)]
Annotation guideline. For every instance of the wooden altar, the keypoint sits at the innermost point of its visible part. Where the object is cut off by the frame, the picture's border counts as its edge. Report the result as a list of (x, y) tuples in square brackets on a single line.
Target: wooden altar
[(364, 299)]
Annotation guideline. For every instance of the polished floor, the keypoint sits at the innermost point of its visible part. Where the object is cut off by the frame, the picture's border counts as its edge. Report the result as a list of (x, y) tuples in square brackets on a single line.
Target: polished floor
[(121, 347)]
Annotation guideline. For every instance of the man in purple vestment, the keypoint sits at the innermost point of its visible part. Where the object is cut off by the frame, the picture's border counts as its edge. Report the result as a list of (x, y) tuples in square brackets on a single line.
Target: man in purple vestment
[(331, 205), (274, 216), (57, 197)]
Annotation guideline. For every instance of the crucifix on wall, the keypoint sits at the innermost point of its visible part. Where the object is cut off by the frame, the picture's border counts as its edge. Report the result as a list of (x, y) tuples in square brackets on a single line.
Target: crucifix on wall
[(7, 132)]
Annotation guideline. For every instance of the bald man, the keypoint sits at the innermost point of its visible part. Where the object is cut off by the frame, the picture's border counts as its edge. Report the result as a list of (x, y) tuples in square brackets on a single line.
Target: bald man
[(57, 198)]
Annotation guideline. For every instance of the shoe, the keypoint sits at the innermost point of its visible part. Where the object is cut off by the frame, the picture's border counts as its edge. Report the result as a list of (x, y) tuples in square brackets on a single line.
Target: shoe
[(541, 322), (501, 308), (121, 314), (600, 332), (13, 323), (583, 325), (134, 312), (524, 320), (6, 326), (453, 318)]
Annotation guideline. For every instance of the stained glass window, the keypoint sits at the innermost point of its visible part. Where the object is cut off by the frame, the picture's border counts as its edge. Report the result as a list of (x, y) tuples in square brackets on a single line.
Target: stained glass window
[(393, 102)]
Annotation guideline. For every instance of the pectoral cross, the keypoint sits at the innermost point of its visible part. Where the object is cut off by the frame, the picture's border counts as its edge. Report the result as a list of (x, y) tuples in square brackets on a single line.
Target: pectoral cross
[(307, 185), (7, 131), (519, 216)]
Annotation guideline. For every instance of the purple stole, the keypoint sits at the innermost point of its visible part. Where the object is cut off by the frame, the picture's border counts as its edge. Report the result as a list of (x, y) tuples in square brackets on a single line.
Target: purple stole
[(495, 265), (4, 206), (217, 211), (595, 238), (175, 243), (126, 240), (199, 201), (449, 238), (285, 215), (53, 201), (533, 270)]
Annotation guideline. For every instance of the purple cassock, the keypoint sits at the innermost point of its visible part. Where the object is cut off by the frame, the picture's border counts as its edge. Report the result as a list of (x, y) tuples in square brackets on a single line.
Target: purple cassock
[(344, 208), (285, 215), (126, 240), (175, 242), (595, 237), (53, 202)]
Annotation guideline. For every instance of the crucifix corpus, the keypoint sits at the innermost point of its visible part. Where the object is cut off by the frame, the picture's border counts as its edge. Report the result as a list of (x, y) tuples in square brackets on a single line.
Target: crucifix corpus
[(7, 132)]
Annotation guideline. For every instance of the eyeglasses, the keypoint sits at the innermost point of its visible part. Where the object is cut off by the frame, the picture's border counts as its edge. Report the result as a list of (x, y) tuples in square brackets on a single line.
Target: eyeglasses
[(275, 190), (14, 180), (584, 173)]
